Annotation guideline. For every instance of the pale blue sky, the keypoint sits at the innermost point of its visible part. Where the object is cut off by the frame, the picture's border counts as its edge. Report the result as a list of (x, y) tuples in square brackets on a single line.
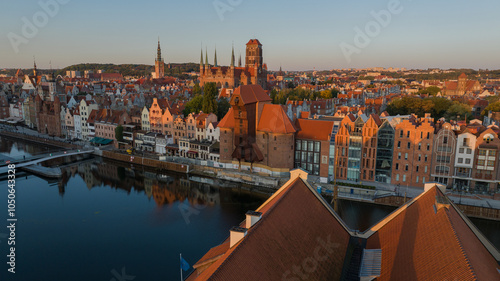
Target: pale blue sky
[(299, 35)]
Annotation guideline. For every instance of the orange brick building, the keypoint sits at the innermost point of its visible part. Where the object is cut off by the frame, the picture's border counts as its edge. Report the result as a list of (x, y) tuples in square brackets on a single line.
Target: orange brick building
[(412, 155), (369, 149), (255, 131)]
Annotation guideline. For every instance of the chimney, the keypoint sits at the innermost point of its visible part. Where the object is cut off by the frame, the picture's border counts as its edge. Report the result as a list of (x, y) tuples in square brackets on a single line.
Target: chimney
[(252, 218), (236, 234)]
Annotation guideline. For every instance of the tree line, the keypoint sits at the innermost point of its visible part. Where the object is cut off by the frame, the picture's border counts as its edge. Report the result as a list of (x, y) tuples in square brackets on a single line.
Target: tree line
[(438, 107)]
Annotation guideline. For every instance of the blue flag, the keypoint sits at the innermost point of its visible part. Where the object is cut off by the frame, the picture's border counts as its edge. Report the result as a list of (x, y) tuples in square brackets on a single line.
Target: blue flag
[(184, 264)]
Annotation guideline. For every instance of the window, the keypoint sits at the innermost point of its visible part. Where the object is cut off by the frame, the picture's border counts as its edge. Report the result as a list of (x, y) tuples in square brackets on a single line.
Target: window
[(397, 166), (399, 155), (425, 158), (399, 144), (406, 167), (408, 145), (296, 145), (420, 157), (482, 152), (408, 134), (467, 160), (317, 146), (401, 133), (491, 163), (419, 146), (404, 178), (445, 140), (428, 135), (416, 169), (428, 147), (406, 156), (492, 153), (397, 177), (480, 162), (461, 150), (466, 142), (423, 179), (425, 170), (460, 160), (417, 180), (469, 151)]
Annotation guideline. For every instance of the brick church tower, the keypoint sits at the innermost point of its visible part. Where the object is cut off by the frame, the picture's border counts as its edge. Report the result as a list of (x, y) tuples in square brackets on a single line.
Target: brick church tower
[(159, 64), (253, 73)]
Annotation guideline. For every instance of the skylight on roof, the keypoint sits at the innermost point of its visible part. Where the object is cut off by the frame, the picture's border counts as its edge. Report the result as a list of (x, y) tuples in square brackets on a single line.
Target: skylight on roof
[(371, 264)]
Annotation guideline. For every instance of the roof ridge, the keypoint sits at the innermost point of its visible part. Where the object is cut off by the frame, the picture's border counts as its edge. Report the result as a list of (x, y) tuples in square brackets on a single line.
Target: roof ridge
[(469, 264)]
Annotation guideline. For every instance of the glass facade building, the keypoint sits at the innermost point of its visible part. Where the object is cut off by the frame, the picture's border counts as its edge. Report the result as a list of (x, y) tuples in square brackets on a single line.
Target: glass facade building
[(385, 147)]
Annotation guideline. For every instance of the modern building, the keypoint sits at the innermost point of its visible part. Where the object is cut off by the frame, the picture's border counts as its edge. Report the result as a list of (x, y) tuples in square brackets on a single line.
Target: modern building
[(312, 147), (385, 149)]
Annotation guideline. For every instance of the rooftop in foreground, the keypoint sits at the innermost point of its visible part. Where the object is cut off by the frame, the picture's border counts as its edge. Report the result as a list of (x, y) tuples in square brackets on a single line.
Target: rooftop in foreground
[(295, 235)]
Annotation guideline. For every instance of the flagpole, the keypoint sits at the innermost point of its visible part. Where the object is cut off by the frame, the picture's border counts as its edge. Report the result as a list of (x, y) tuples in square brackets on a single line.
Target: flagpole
[(180, 260)]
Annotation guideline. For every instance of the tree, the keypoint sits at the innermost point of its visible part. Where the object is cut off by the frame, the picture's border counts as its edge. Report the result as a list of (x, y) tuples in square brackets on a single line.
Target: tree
[(210, 98), (326, 94), (222, 108), (194, 105), (494, 107), (460, 110), (196, 89), (441, 105), (119, 133), (432, 90)]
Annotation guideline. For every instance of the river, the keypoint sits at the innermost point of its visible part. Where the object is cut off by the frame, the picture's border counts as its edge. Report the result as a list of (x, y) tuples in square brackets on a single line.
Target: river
[(104, 218)]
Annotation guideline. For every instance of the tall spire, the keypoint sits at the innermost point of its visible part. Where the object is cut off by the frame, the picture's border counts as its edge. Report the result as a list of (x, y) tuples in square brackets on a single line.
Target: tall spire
[(215, 58), (158, 56), (201, 59), (35, 72), (239, 62), (206, 57), (232, 58)]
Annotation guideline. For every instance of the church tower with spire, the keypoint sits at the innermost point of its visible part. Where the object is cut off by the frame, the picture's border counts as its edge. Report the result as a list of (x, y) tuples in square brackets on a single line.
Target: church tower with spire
[(159, 64)]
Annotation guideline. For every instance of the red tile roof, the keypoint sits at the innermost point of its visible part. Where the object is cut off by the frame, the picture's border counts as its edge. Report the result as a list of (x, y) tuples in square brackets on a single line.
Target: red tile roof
[(286, 235), (228, 120), (274, 120), (312, 129), (425, 242), (252, 94)]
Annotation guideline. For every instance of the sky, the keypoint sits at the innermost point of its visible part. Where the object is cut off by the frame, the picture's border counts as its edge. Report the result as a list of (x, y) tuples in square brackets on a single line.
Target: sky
[(297, 35)]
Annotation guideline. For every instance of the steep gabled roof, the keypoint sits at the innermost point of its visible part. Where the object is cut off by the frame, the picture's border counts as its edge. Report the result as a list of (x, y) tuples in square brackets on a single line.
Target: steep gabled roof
[(228, 120), (285, 236), (275, 120), (428, 239), (252, 94)]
